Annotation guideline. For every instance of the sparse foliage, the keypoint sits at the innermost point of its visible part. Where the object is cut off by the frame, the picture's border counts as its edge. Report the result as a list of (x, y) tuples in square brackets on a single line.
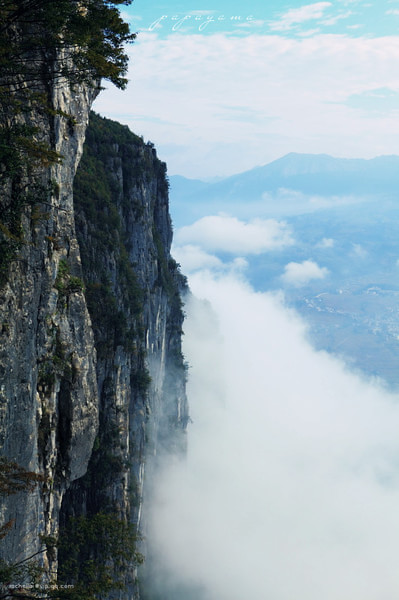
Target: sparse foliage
[(95, 553), (14, 478)]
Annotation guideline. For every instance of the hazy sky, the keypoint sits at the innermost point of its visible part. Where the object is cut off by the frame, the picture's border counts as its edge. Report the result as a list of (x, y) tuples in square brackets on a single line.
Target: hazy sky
[(221, 87)]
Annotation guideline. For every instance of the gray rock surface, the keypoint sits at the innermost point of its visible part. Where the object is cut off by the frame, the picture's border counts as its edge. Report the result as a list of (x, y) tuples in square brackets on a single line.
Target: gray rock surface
[(49, 403), (92, 379)]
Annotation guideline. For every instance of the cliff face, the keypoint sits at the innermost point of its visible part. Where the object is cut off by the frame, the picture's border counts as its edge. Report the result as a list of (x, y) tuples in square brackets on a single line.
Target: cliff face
[(48, 392), (92, 376), (133, 291)]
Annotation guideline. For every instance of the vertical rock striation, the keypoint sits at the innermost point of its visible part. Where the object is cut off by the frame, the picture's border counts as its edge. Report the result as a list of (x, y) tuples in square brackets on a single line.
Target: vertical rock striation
[(48, 391), (91, 372), (133, 290)]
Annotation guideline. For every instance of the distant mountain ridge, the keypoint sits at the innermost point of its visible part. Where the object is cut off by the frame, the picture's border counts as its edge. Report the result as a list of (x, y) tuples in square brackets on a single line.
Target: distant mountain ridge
[(343, 219), (319, 174), (293, 184)]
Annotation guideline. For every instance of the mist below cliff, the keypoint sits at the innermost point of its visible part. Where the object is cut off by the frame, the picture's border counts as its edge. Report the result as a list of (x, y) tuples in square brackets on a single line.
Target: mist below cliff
[(291, 484)]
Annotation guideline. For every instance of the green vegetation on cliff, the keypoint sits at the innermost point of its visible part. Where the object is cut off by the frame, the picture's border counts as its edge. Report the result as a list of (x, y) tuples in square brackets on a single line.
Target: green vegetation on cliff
[(100, 409), (99, 204), (79, 40), (45, 45)]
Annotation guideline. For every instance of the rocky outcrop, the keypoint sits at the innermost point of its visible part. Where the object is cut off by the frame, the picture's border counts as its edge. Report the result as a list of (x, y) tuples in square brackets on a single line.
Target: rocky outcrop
[(92, 375), (133, 290), (48, 391)]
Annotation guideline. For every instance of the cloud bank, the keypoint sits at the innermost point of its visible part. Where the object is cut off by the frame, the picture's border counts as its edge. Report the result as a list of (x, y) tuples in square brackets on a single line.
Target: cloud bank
[(291, 484), (223, 233)]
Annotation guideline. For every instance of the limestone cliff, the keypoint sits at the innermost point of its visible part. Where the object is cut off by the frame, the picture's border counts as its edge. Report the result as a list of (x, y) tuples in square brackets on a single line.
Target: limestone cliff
[(48, 390), (91, 372), (133, 290)]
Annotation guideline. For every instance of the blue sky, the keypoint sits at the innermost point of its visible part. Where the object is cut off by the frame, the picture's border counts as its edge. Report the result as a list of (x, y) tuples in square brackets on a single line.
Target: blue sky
[(221, 88), (336, 16)]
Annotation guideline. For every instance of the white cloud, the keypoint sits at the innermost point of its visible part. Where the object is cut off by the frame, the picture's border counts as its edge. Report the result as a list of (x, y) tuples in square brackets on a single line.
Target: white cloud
[(290, 488), (222, 233), (296, 16), (298, 274), (295, 89), (326, 243), (336, 18), (192, 258)]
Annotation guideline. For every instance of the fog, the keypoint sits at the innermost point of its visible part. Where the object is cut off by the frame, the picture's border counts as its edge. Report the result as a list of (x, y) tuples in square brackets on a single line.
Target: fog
[(290, 488)]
